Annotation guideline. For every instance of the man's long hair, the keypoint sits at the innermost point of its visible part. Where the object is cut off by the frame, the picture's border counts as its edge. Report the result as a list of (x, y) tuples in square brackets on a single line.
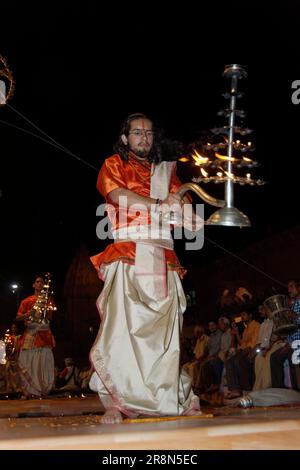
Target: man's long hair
[(162, 148)]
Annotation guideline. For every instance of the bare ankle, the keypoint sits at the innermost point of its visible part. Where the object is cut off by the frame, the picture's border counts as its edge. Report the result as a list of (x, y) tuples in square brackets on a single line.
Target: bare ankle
[(112, 416)]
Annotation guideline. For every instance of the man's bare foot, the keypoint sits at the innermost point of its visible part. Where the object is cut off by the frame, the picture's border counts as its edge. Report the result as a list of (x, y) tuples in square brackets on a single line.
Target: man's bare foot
[(112, 416), (194, 408)]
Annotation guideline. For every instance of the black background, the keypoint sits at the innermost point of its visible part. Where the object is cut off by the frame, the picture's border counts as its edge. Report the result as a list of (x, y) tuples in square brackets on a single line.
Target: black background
[(81, 67)]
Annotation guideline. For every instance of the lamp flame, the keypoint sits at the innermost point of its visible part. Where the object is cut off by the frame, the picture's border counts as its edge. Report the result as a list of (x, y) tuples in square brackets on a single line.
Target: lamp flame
[(225, 158), (203, 172), (199, 159)]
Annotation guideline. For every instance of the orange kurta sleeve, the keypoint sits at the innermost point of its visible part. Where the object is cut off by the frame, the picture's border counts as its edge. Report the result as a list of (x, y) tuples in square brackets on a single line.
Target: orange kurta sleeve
[(27, 304), (111, 176)]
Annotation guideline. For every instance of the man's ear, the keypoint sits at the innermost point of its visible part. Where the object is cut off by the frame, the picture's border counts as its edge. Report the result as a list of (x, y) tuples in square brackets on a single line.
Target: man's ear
[(124, 139)]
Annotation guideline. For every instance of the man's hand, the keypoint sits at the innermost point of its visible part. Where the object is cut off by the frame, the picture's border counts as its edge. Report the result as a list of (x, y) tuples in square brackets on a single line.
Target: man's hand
[(173, 203), (23, 316), (173, 198), (180, 214), (251, 354), (234, 330)]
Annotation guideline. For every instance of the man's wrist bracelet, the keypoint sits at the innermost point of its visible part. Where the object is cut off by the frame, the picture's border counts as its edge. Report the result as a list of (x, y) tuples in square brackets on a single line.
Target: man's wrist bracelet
[(157, 204)]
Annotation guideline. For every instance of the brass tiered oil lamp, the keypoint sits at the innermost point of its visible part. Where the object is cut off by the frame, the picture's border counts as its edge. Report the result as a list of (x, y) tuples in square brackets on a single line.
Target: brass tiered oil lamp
[(224, 158)]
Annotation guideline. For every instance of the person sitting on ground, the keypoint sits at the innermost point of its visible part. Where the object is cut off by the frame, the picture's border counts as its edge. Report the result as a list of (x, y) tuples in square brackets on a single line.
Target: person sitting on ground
[(214, 367), (239, 367), (84, 378), (284, 354), (68, 378), (270, 344), (204, 379), (12, 375), (192, 367)]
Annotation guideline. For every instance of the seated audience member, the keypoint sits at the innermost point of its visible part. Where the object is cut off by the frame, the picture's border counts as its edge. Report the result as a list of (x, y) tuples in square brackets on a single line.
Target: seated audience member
[(192, 367), (239, 367)]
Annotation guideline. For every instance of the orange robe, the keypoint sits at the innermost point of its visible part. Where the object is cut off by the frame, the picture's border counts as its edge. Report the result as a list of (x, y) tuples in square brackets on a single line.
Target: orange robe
[(42, 338), (135, 176)]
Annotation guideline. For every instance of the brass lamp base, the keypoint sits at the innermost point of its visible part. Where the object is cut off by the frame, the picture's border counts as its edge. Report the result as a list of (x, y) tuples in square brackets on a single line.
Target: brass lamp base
[(229, 217)]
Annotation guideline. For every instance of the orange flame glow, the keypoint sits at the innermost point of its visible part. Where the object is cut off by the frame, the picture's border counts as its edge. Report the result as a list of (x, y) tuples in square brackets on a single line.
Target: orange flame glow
[(199, 159), (225, 158)]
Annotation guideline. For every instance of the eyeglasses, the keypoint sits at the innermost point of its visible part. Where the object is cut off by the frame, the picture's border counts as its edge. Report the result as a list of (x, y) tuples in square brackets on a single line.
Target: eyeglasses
[(141, 133)]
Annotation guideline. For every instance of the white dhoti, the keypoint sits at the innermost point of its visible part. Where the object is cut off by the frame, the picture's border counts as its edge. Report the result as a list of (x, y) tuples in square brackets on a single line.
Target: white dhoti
[(136, 353), (36, 368)]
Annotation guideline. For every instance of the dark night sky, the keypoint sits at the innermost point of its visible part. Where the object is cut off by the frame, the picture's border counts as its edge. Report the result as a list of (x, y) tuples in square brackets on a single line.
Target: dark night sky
[(80, 69)]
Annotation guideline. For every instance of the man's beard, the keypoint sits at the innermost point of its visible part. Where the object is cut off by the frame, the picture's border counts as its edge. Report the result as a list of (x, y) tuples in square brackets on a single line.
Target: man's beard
[(143, 153)]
